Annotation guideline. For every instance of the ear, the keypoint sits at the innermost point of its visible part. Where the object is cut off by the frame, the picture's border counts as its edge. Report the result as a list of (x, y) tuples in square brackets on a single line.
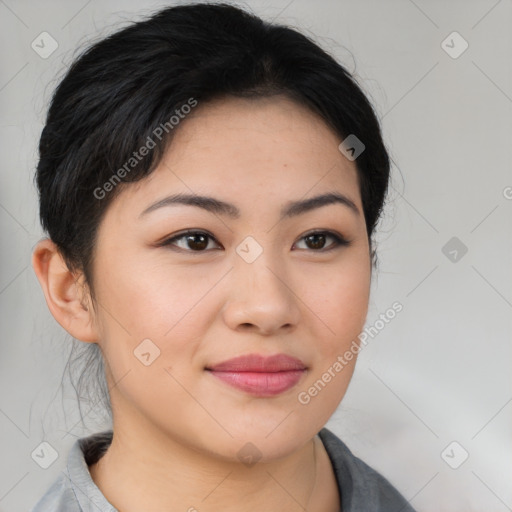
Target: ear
[(64, 292)]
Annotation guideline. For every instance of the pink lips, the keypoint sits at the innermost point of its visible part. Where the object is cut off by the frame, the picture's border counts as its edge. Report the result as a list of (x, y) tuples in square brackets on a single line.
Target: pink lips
[(260, 375)]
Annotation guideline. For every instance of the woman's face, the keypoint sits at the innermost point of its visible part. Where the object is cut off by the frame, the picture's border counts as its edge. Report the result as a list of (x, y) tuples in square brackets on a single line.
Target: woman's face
[(250, 283)]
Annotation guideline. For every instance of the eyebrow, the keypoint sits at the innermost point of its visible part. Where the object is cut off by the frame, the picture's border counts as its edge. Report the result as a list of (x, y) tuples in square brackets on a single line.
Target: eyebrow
[(290, 209)]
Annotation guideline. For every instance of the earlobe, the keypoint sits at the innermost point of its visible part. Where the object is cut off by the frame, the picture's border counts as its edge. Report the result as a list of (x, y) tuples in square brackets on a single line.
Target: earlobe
[(63, 292)]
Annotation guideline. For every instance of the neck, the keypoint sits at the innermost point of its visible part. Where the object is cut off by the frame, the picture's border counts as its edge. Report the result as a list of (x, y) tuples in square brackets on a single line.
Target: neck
[(142, 471)]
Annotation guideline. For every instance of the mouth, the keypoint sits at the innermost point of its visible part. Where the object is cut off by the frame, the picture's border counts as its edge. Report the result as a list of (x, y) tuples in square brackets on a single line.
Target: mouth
[(260, 376)]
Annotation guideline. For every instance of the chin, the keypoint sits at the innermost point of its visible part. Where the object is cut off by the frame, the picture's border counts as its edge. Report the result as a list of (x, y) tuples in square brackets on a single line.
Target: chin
[(261, 442)]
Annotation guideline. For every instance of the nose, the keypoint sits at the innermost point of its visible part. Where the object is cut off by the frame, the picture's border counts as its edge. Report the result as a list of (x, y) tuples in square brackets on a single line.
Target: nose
[(261, 299)]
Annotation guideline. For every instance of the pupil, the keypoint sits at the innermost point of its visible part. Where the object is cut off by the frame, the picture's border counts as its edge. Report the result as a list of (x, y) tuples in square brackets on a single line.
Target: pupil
[(318, 240), (191, 239)]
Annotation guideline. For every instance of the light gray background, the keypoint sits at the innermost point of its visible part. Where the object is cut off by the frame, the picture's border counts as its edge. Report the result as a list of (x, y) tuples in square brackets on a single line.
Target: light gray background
[(440, 371)]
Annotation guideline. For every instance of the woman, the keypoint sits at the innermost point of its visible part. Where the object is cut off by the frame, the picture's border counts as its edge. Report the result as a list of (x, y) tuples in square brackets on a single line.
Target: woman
[(210, 184)]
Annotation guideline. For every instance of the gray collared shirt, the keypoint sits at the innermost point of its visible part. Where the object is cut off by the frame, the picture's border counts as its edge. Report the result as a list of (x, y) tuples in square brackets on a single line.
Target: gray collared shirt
[(361, 488)]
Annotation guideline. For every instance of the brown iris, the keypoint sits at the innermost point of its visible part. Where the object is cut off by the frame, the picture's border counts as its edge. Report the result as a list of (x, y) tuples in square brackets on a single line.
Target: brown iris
[(197, 241), (317, 239)]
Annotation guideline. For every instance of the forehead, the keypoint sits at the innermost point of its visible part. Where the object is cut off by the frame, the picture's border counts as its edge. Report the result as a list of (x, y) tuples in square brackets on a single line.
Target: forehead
[(264, 150)]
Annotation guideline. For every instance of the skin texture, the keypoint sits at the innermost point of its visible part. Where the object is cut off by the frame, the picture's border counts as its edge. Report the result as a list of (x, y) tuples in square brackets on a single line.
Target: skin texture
[(178, 429)]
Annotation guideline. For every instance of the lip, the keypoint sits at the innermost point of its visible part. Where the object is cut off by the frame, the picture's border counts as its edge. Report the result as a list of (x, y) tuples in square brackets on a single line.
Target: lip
[(260, 376), (259, 363)]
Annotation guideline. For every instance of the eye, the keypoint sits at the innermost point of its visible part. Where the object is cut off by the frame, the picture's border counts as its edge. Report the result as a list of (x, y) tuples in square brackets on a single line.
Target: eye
[(198, 241), (190, 241), (317, 240)]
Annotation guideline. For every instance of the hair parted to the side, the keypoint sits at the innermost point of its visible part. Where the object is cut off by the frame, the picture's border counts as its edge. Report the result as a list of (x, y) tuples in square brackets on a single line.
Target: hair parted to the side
[(123, 88)]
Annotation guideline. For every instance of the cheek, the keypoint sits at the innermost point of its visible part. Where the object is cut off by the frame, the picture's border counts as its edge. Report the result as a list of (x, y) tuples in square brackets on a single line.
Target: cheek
[(339, 297), (340, 305), (151, 334), (151, 298), (349, 306), (157, 309)]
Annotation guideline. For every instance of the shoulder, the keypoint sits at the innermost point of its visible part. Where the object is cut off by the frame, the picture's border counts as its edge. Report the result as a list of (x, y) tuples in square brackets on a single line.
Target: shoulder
[(58, 498), (74, 490), (360, 486)]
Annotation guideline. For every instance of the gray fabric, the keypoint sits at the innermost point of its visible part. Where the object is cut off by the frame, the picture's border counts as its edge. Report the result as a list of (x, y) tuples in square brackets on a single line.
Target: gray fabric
[(361, 488)]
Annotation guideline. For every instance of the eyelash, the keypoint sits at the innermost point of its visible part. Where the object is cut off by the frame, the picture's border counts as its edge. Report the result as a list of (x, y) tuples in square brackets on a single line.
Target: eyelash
[(339, 241)]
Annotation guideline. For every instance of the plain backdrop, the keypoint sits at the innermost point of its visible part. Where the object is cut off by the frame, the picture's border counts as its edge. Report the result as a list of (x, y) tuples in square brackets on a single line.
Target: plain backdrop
[(430, 402)]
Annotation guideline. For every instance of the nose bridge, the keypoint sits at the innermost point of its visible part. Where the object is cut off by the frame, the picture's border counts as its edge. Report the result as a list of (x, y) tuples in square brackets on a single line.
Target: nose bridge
[(259, 268), (262, 295)]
